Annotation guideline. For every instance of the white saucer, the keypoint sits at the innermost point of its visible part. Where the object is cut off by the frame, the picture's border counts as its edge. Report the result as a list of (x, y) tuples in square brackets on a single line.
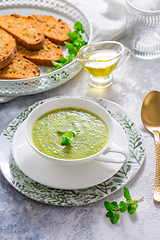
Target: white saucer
[(61, 176)]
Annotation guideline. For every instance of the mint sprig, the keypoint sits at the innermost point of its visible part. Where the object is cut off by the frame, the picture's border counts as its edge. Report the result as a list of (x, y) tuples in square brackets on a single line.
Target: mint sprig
[(77, 42), (113, 208), (66, 139)]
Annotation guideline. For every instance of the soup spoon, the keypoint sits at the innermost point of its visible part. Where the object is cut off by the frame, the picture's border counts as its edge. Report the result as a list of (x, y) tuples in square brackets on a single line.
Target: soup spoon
[(150, 116)]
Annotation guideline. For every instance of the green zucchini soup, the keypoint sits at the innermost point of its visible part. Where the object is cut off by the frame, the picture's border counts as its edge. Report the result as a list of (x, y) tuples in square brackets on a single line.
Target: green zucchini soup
[(69, 133)]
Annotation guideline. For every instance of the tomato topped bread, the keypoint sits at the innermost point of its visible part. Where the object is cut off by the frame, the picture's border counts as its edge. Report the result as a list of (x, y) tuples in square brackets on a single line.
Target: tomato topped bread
[(55, 30), (25, 30), (7, 48), (19, 68), (49, 52)]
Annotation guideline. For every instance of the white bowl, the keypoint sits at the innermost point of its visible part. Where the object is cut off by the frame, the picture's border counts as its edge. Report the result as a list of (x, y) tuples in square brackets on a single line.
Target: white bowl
[(77, 103)]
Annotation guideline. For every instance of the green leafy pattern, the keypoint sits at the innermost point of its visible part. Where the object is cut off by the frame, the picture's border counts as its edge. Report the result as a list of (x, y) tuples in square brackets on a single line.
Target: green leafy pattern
[(64, 197), (10, 130)]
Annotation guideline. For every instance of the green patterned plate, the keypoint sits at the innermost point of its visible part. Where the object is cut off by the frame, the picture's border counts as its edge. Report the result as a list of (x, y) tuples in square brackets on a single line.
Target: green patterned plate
[(83, 196)]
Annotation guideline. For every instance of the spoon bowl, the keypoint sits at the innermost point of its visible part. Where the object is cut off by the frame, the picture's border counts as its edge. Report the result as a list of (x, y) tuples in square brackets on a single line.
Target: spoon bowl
[(150, 115)]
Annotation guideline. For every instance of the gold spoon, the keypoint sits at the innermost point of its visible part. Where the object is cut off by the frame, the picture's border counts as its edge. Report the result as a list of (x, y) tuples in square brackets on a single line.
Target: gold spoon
[(150, 115)]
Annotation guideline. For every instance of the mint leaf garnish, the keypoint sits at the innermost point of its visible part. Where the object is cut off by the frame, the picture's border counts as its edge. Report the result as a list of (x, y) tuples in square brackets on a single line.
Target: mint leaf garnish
[(66, 139)]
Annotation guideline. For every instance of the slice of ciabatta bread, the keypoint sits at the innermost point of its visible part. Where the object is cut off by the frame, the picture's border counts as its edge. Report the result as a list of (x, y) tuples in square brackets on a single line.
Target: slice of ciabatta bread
[(19, 68), (55, 30), (7, 48), (25, 30), (49, 52)]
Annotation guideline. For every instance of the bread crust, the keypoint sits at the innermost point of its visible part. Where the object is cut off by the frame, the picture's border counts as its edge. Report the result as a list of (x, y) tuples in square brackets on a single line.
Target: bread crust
[(55, 30), (25, 30), (20, 68), (49, 52), (7, 48)]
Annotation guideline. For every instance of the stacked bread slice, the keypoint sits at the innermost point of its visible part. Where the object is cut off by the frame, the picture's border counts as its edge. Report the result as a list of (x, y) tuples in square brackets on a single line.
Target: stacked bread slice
[(20, 68), (7, 48), (55, 30), (44, 57), (24, 44)]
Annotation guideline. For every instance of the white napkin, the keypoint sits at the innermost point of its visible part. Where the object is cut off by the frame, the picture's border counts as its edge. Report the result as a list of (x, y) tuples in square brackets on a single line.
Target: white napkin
[(107, 17)]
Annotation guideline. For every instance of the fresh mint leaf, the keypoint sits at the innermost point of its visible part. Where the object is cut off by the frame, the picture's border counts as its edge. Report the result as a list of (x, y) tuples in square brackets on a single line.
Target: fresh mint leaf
[(63, 60), (115, 205), (114, 219), (72, 49), (65, 141), (123, 206), (132, 208), (108, 206), (70, 134), (57, 64), (127, 195), (78, 27), (70, 46), (74, 35), (79, 43), (109, 214)]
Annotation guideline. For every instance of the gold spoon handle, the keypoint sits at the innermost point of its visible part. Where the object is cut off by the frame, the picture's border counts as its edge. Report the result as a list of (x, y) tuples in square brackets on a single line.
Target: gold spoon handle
[(156, 194)]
